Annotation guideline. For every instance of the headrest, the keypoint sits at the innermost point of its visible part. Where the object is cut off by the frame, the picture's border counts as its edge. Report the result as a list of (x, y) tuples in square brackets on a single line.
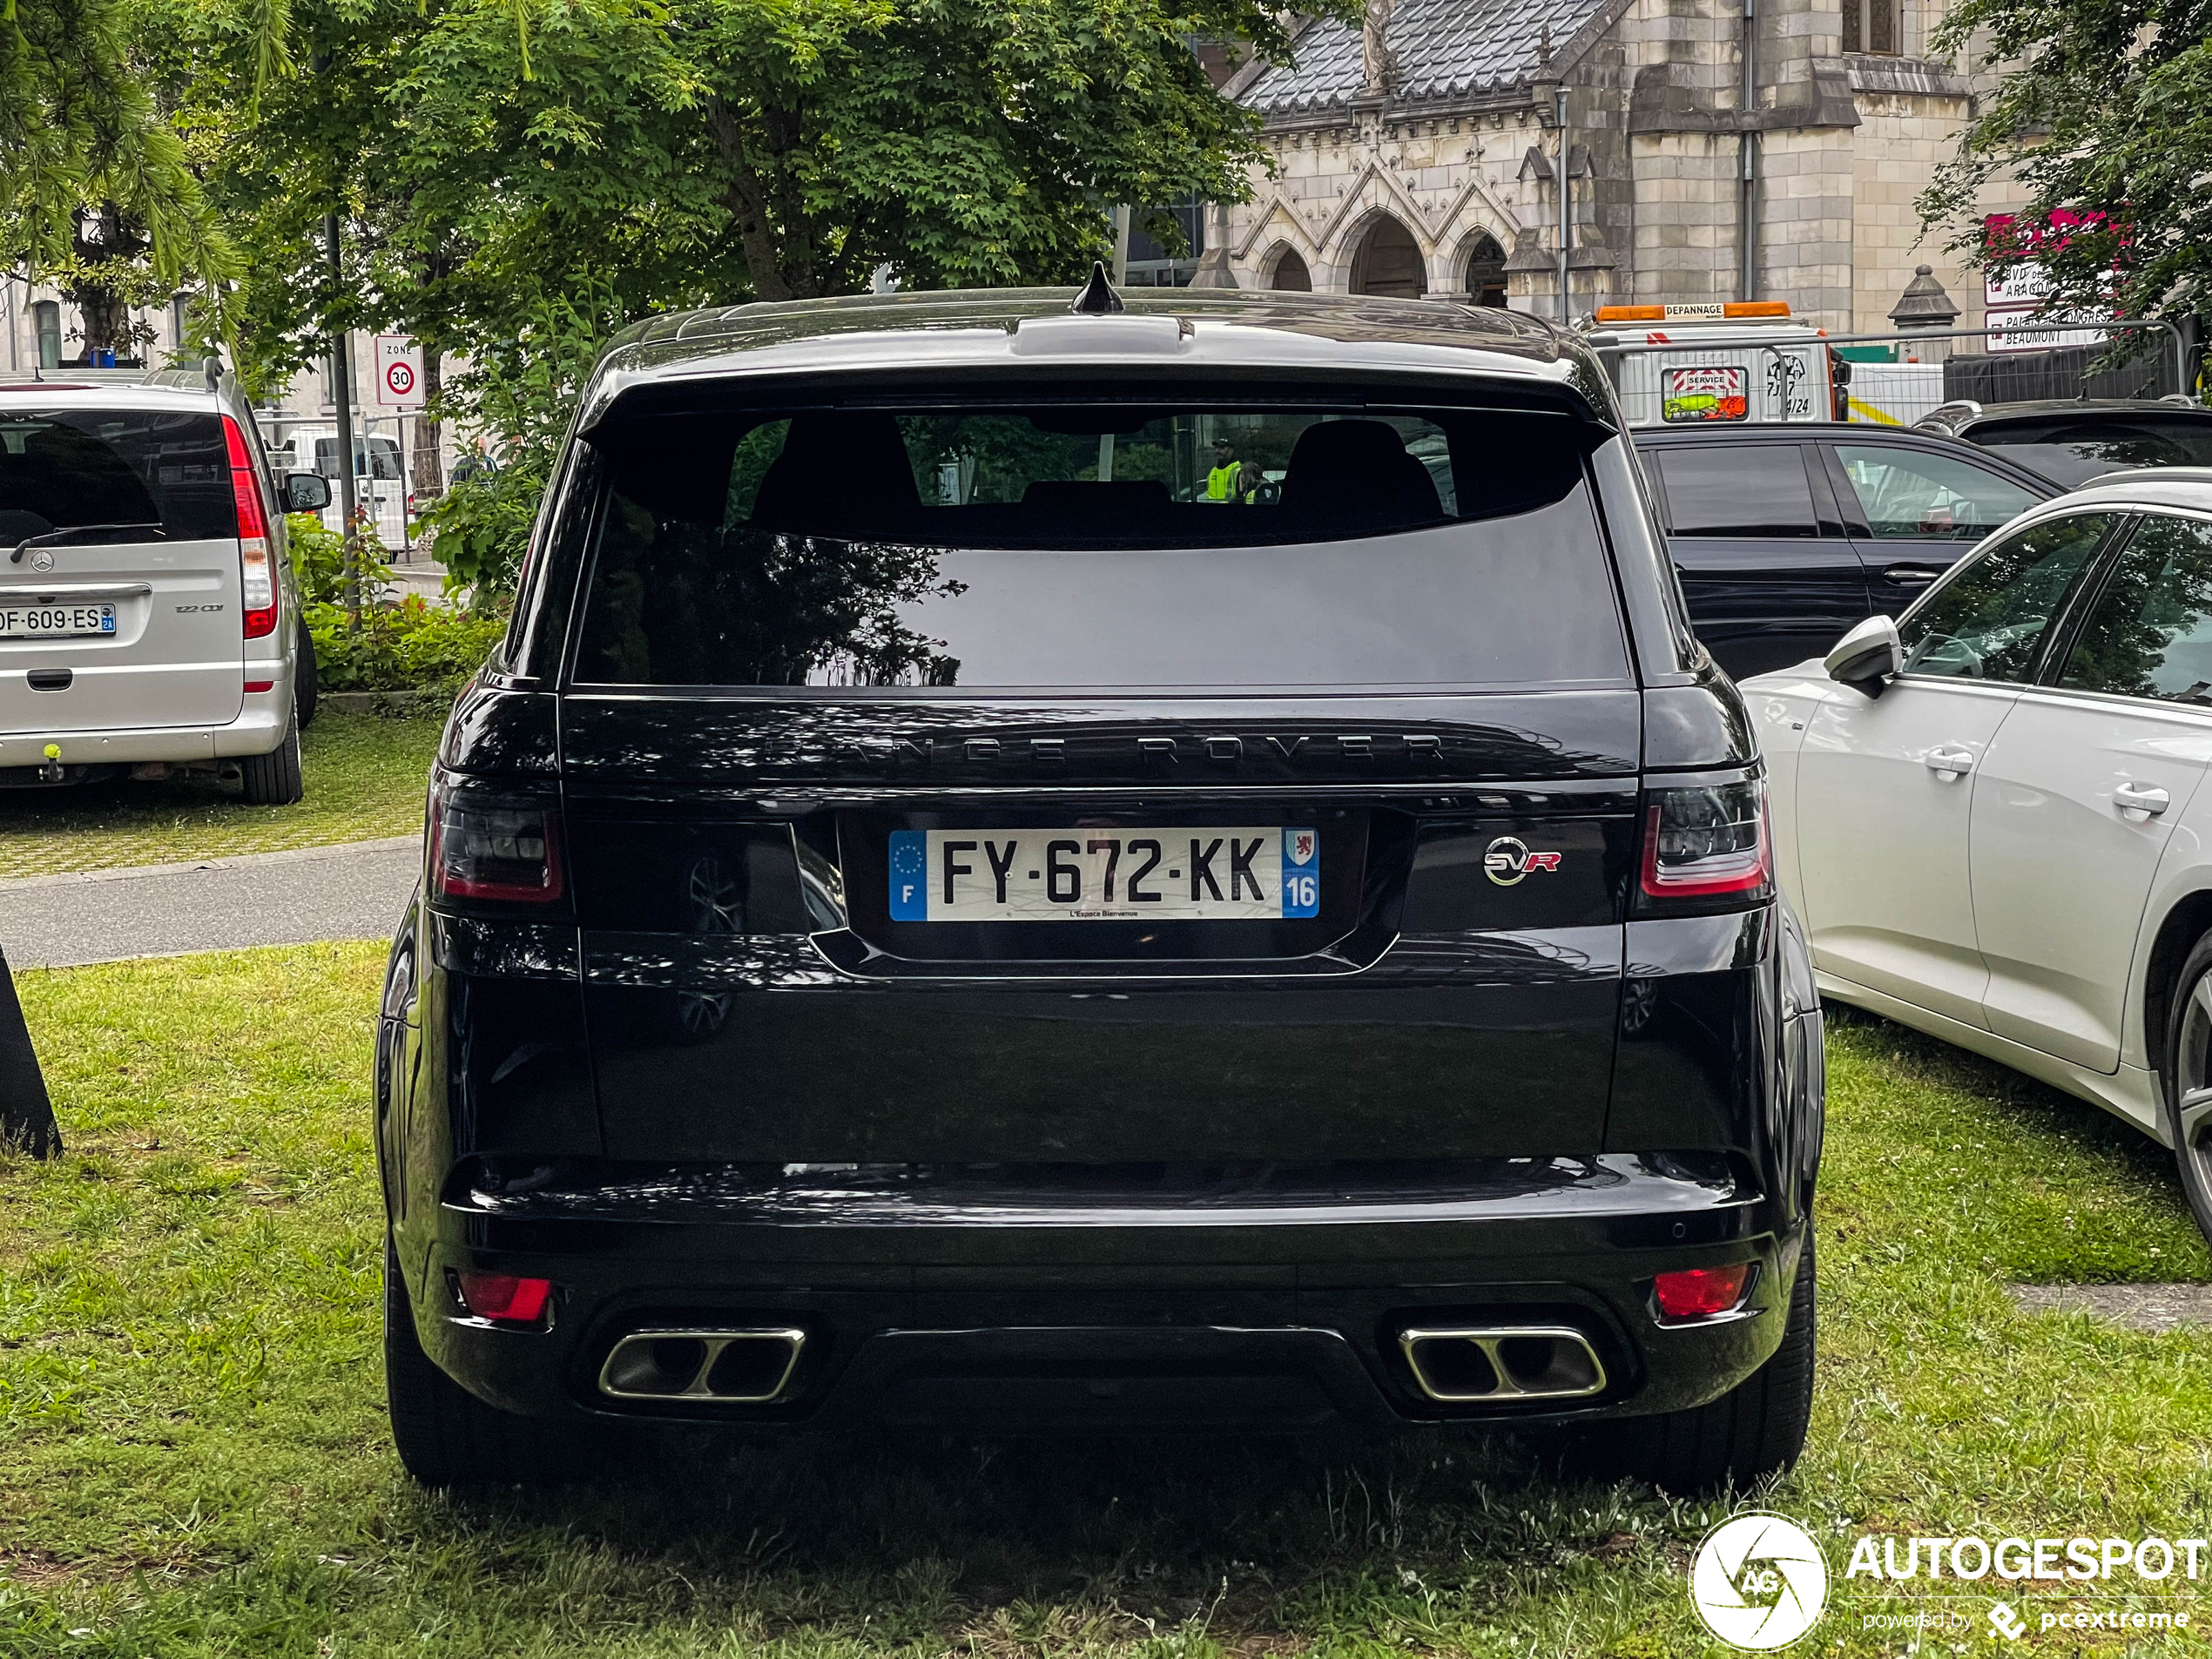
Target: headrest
[(841, 476), (1357, 474)]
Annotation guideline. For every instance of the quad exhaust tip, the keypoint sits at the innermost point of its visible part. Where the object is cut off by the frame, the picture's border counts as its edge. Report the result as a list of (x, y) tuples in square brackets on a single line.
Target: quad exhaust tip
[(1502, 1363), (748, 1366)]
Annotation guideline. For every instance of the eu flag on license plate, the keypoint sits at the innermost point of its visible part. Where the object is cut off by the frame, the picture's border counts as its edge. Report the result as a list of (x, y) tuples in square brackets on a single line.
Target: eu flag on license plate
[(909, 875)]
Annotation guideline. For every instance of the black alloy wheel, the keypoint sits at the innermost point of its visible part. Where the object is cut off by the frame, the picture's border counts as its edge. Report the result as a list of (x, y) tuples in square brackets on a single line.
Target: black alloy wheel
[(2188, 1079)]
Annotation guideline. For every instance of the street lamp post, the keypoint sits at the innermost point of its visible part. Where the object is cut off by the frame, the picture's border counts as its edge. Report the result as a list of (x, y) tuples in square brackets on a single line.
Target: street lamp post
[(341, 395)]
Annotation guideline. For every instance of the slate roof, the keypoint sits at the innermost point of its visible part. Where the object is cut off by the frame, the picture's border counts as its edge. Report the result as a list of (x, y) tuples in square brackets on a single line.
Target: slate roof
[(1445, 49)]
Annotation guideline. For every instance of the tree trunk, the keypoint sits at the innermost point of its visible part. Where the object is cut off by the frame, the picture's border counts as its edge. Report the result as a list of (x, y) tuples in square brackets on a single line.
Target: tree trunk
[(785, 258), (26, 1114), (429, 466), (103, 313)]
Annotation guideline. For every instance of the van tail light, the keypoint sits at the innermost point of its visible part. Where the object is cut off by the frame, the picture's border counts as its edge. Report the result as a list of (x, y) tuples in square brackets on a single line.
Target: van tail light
[(256, 574), (1707, 847), (505, 850)]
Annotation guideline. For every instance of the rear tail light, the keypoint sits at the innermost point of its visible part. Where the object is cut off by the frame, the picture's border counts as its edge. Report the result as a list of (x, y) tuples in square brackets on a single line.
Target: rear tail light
[(504, 850), (503, 1296), (1707, 844), (257, 574), (1700, 1293)]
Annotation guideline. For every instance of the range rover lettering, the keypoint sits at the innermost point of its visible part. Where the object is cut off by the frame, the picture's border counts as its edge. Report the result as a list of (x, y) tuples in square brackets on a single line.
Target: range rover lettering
[(938, 915)]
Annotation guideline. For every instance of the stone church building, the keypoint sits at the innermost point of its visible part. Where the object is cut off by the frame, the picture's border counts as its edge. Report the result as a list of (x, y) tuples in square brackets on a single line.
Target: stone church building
[(1710, 150)]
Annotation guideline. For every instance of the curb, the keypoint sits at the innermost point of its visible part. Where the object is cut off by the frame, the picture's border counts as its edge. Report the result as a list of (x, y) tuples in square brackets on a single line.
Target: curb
[(391, 705), (289, 855)]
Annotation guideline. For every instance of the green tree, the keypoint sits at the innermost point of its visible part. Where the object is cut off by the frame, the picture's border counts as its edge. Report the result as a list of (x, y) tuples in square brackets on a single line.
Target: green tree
[(517, 184), (2105, 115), (960, 142), (96, 186)]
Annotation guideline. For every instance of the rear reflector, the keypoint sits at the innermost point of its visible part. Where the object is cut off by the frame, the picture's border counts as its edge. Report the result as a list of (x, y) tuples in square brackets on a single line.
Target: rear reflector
[(1699, 1292), (503, 1296), (261, 685), (256, 577), (504, 850), (1708, 842)]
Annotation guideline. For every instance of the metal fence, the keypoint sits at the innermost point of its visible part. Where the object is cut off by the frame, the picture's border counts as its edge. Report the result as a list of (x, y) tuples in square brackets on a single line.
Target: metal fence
[(383, 468), (1895, 379)]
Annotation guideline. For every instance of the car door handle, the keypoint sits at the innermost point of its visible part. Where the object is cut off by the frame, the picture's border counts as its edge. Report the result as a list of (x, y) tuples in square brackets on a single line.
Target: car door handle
[(1950, 762), (1910, 575), (2147, 799)]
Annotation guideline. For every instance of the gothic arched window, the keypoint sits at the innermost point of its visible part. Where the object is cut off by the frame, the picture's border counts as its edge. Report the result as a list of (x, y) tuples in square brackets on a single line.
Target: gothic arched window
[(1487, 273), (1389, 262)]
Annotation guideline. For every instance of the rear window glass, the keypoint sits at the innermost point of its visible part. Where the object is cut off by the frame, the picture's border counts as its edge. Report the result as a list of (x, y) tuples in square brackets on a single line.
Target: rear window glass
[(1099, 546), (2072, 451), (61, 468)]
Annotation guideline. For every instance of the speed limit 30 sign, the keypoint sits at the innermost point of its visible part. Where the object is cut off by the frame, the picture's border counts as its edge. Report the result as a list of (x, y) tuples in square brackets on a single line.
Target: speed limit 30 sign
[(399, 372)]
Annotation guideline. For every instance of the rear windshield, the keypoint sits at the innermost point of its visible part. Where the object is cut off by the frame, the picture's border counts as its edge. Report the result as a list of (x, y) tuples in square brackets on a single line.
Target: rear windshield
[(1100, 546), (2070, 451), (65, 468)]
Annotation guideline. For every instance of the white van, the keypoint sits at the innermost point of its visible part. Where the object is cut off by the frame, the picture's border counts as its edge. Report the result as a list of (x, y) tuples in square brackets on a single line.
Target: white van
[(380, 485), (149, 618), (1696, 364)]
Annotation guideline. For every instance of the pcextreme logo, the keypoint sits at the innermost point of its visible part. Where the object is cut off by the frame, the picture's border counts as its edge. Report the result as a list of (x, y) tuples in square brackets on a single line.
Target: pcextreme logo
[(1759, 1582)]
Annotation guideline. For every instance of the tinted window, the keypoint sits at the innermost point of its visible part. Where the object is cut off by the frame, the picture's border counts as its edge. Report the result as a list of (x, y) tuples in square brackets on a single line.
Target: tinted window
[(983, 547), (1752, 489), (2149, 633), (1987, 621), (1909, 496), (72, 467), (2073, 452)]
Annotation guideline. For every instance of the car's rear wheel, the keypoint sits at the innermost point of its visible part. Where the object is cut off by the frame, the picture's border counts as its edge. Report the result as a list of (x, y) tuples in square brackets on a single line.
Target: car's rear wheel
[(305, 683), (446, 1436), (1754, 1430), (2188, 1079), (273, 780)]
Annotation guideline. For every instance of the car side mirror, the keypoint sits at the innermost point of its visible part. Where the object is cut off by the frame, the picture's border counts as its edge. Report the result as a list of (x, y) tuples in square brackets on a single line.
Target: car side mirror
[(305, 492), (1866, 657)]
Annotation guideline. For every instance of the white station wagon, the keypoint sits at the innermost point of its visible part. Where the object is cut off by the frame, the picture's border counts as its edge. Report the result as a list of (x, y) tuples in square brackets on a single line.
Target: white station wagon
[(149, 620), (1989, 814)]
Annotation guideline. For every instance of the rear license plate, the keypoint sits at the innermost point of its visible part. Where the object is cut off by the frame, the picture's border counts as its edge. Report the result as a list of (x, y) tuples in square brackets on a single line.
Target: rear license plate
[(1263, 873), (22, 621)]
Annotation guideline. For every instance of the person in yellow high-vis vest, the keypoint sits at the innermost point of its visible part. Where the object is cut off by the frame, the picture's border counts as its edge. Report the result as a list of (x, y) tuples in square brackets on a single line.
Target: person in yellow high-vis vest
[(1226, 481)]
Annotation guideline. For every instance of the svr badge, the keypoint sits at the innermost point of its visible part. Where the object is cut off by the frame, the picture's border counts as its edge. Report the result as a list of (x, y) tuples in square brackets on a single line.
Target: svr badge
[(1508, 860)]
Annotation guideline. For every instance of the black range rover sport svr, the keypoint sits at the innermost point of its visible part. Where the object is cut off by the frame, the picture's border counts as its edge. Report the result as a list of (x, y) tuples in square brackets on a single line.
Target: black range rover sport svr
[(1024, 868)]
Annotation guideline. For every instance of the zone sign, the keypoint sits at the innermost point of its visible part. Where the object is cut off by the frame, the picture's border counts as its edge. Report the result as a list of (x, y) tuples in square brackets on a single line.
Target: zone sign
[(399, 372)]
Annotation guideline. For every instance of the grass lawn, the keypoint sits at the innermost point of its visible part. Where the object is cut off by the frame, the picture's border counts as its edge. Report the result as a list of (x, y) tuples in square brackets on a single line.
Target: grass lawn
[(365, 776), (192, 1457)]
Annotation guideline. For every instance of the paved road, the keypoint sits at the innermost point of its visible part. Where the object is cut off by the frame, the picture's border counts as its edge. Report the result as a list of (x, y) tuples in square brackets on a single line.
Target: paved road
[(355, 891)]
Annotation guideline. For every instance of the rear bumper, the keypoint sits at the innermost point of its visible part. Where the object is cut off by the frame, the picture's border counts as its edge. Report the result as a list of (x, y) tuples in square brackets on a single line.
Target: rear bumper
[(1007, 1314), (262, 719)]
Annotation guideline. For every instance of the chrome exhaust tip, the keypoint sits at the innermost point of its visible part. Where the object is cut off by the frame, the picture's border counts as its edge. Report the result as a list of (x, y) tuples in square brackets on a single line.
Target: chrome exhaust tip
[(732, 1367), (1502, 1363)]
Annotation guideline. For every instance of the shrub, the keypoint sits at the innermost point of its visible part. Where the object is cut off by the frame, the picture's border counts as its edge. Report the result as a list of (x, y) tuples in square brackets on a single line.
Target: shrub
[(411, 646), (318, 557)]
